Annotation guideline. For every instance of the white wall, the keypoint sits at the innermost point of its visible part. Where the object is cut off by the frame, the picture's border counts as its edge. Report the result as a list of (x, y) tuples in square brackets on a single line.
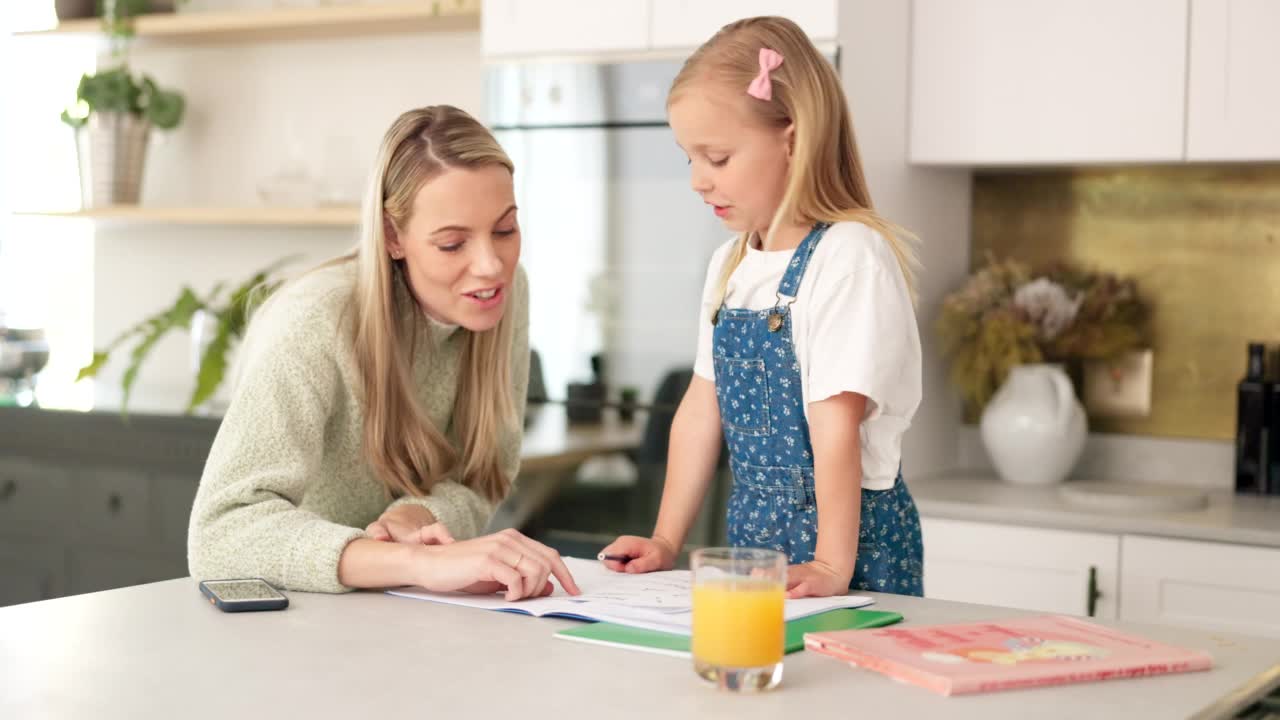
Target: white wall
[(874, 37), (46, 266), (254, 111)]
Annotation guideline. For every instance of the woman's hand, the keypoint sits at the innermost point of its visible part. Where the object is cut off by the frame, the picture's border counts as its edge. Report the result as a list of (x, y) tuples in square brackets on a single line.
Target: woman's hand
[(406, 524), (507, 561)]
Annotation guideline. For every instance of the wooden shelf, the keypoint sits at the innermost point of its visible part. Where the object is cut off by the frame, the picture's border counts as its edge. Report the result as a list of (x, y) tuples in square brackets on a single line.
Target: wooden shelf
[(283, 217), (289, 23)]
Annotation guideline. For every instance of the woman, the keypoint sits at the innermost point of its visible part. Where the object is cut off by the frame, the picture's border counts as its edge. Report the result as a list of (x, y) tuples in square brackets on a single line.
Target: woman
[(385, 391)]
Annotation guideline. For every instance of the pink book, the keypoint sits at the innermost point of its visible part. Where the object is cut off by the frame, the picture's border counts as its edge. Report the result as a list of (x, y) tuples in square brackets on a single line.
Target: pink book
[(986, 656)]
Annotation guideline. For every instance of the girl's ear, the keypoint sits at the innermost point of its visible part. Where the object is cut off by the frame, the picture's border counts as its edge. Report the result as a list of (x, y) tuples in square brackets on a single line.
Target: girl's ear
[(393, 240), (789, 136)]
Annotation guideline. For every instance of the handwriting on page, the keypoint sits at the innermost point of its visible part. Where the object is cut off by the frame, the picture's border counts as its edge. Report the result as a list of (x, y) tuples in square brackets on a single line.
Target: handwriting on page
[(666, 592)]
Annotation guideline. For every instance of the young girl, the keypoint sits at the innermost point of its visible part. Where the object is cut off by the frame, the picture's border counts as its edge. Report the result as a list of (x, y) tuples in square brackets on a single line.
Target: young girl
[(808, 357), (378, 414)]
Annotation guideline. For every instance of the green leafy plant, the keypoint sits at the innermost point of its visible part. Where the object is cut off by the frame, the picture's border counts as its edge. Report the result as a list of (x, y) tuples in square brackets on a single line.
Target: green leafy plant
[(1007, 315), (117, 18), (231, 318), (117, 90)]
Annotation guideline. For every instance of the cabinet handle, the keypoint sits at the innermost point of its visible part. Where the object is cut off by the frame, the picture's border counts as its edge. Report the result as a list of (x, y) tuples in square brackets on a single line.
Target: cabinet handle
[(9, 490), (1091, 601), (114, 503)]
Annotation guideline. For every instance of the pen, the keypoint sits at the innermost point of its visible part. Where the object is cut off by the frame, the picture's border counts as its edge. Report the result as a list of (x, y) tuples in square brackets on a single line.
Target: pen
[(616, 558)]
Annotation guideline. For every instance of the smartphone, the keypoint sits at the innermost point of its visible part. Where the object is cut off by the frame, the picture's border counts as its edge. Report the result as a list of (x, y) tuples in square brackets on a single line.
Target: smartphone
[(243, 595)]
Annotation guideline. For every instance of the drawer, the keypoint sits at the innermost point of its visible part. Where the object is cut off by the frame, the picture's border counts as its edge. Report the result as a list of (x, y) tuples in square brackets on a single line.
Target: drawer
[(113, 507), (31, 571), (1055, 571), (1209, 585), (94, 569), (34, 499), (174, 495)]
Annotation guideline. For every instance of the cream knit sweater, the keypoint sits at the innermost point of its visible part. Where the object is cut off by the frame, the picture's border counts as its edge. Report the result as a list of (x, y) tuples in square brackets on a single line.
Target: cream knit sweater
[(286, 485)]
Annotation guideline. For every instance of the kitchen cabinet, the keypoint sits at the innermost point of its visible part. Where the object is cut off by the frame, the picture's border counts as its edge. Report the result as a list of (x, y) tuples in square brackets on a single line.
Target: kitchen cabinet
[(67, 529), (689, 23), (1041, 82), (1216, 586), (563, 27), (1233, 105), (1055, 571), (585, 27)]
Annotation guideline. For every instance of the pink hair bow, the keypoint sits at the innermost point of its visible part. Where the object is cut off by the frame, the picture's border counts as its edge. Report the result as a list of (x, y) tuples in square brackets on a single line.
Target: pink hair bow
[(761, 87)]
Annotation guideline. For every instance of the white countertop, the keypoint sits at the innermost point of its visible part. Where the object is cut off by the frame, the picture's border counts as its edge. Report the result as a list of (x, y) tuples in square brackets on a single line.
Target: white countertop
[(161, 650), (1228, 518)]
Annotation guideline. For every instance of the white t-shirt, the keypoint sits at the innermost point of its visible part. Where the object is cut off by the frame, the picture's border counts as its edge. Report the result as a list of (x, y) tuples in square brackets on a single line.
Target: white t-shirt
[(854, 331)]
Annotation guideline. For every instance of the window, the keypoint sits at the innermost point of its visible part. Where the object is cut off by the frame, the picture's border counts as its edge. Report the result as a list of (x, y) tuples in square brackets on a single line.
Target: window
[(46, 264)]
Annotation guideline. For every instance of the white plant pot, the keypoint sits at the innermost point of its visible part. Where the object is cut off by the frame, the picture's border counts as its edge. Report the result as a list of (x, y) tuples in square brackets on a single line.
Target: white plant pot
[(1034, 428)]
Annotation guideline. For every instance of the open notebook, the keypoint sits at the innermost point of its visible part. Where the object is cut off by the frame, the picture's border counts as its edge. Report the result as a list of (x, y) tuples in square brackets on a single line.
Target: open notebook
[(655, 601)]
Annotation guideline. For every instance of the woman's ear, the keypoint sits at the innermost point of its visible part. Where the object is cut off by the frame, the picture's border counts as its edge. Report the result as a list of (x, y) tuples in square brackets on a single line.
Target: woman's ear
[(394, 248)]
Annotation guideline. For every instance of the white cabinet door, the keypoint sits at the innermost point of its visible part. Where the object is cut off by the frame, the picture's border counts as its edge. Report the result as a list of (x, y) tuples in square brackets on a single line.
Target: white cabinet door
[(1217, 586), (689, 23), (1007, 82), (563, 27), (1049, 570), (1233, 102)]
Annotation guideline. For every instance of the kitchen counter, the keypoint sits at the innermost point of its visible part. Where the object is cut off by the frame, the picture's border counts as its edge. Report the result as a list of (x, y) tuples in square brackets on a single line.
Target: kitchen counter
[(1228, 518), (161, 650)]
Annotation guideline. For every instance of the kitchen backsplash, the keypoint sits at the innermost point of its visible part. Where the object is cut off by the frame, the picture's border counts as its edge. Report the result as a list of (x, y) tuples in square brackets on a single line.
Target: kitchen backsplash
[(1203, 243)]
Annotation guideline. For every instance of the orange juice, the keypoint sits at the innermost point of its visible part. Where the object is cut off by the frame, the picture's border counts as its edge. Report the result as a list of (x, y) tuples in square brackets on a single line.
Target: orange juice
[(738, 623)]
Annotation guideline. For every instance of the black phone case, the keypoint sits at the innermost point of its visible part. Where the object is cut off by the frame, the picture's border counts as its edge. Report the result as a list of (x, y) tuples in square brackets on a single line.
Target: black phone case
[(243, 605)]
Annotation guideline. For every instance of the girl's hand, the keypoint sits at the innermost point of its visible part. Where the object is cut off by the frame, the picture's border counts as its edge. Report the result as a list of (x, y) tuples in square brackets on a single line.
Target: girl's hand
[(816, 579), (407, 524), (643, 554), (506, 561)]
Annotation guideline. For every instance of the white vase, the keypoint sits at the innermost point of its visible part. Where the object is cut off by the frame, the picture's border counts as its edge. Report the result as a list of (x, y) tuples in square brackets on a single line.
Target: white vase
[(1034, 428), (204, 326)]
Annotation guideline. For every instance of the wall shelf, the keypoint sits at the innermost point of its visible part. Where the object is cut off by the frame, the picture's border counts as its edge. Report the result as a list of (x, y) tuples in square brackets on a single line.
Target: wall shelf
[(290, 22), (338, 217)]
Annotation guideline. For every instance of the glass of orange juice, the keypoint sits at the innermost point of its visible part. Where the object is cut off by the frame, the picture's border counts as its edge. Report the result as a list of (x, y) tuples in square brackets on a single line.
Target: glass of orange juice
[(738, 628)]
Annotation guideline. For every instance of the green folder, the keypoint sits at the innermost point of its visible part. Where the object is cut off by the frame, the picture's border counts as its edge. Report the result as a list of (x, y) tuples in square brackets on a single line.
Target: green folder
[(634, 638)]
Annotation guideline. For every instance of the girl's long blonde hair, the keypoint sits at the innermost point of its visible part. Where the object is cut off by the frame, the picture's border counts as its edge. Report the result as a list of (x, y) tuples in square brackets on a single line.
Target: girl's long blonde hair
[(406, 451), (826, 183)]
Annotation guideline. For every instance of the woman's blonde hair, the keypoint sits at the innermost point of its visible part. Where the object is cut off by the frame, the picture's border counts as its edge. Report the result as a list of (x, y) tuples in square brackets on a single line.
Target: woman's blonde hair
[(826, 183), (406, 451)]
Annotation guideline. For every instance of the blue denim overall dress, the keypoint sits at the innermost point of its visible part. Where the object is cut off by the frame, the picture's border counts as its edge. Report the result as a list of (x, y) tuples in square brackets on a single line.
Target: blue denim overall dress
[(772, 504)]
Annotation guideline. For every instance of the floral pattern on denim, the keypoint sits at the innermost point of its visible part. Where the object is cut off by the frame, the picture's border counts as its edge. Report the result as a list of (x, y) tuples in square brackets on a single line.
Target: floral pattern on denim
[(772, 504)]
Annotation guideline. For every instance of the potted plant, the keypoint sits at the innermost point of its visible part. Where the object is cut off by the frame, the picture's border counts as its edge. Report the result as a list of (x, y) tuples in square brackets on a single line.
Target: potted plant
[(113, 115), (1015, 337), (219, 319), (1008, 314), (112, 120)]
